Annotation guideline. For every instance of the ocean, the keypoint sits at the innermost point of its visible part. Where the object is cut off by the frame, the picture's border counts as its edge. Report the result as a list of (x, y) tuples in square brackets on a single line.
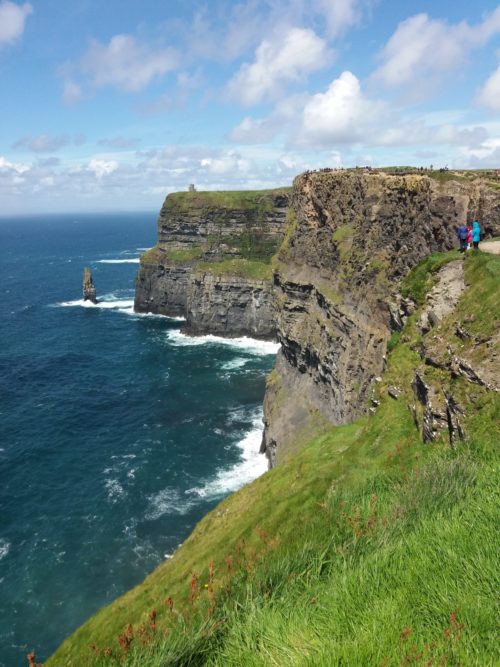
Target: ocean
[(117, 432)]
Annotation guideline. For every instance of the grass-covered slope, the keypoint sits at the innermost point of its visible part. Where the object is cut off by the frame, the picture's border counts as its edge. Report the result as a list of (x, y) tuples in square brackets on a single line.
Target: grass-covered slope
[(367, 548), (259, 201)]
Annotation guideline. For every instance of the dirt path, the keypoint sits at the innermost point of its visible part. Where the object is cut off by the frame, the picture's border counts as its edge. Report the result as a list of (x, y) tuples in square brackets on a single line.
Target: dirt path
[(490, 246)]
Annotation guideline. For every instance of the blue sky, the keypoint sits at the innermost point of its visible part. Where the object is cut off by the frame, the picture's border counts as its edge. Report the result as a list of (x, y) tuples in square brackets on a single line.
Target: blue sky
[(110, 106)]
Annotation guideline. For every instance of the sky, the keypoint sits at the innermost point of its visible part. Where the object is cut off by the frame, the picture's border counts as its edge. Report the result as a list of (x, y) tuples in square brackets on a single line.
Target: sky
[(108, 106)]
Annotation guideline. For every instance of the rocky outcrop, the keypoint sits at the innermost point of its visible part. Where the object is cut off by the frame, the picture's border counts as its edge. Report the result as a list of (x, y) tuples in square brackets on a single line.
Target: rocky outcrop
[(89, 291), (212, 261), (444, 296), (160, 287), (352, 236)]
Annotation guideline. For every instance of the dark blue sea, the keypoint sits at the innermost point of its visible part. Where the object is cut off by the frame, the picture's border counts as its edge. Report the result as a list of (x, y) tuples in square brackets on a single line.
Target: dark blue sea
[(117, 432)]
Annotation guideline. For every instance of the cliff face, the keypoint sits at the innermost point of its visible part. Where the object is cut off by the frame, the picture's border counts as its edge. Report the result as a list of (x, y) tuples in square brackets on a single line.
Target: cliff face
[(212, 261), (350, 238), (230, 306)]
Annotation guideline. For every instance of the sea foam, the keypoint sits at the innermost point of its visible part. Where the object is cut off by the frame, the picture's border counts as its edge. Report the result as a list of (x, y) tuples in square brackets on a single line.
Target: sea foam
[(252, 345), (234, 364), (132, 260), (252, 465), (117, 304), (167, 501), (4, 548), (108, 302)]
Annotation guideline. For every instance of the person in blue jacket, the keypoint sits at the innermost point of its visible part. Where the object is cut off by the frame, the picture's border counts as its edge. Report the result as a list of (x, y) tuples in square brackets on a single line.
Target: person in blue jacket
[(462, 233), (476, 234)]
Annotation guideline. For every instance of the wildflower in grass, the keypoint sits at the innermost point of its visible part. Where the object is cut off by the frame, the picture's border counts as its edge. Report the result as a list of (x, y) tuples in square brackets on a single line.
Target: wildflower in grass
[(32, 660), (169, 603), (95, 649), (454, 630), (152, 620), (263, 535), (107, 652), (229, 562), (211, 572), (144, 635), (126, 638), (193, 588)]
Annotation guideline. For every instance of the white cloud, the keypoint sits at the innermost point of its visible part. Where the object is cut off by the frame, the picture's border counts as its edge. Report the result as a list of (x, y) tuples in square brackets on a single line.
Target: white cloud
[(339, 14), (102, 167), (12, 20), (225, 164), (225, 31), (422, 47), (344, 115), (124, 63), (340, 115), (489, 95), (7, 166), (255, 130), (290, 58)]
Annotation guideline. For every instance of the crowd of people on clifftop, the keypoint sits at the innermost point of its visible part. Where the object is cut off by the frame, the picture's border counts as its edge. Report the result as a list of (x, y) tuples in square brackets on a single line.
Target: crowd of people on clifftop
[(469, 236)]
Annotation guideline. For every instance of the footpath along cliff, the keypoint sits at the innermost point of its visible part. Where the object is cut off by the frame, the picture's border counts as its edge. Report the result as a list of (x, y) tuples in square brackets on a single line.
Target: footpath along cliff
[(211, 264)]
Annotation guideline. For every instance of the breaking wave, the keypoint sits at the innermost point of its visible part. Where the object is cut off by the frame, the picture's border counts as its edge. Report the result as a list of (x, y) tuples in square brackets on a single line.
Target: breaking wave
[(252, 345), (109, 302), (252, 465), (131, 260)]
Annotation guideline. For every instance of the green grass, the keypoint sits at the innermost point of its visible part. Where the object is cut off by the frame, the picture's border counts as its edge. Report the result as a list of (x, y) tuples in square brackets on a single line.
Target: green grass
[(423, 276), (243, 268), (153, 256), (228, 199), (365, 548), (446, 176)]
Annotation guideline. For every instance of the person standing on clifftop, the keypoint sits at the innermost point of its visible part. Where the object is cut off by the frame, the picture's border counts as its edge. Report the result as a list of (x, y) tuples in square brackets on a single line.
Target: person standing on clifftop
[(476, 234), (463, 233)]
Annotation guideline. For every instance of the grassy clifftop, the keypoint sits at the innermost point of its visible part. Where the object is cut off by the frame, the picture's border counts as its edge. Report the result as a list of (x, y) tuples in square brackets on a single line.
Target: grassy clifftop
[(244, 200), (367, 548)]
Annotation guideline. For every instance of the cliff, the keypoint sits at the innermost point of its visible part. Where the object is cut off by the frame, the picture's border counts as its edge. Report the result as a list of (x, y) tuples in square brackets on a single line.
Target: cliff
[(386, 393), (212, 261), (351, 237), (367, 547)]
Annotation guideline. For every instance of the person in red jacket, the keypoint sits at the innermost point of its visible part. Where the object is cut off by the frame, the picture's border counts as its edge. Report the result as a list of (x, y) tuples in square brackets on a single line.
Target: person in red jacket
[(469, 236)]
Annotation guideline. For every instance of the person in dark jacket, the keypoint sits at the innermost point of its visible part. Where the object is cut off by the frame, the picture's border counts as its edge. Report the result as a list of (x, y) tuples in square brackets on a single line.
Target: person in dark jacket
[(476, 234), (463, 233)]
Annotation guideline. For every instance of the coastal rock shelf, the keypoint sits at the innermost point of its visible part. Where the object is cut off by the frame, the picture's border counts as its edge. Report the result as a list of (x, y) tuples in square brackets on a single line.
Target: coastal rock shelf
[(212, 261)]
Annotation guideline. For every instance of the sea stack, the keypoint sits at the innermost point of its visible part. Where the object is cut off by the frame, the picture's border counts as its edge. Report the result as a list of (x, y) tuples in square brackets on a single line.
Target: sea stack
[(89, 293)]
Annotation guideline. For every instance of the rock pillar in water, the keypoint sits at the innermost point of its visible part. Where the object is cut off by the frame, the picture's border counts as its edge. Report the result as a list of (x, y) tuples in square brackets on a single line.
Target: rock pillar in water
[(89, 292)]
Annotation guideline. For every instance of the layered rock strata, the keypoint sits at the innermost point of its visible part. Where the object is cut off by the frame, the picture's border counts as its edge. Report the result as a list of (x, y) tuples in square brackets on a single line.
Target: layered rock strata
[(351, 237), (229, 305), (212, 261)]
